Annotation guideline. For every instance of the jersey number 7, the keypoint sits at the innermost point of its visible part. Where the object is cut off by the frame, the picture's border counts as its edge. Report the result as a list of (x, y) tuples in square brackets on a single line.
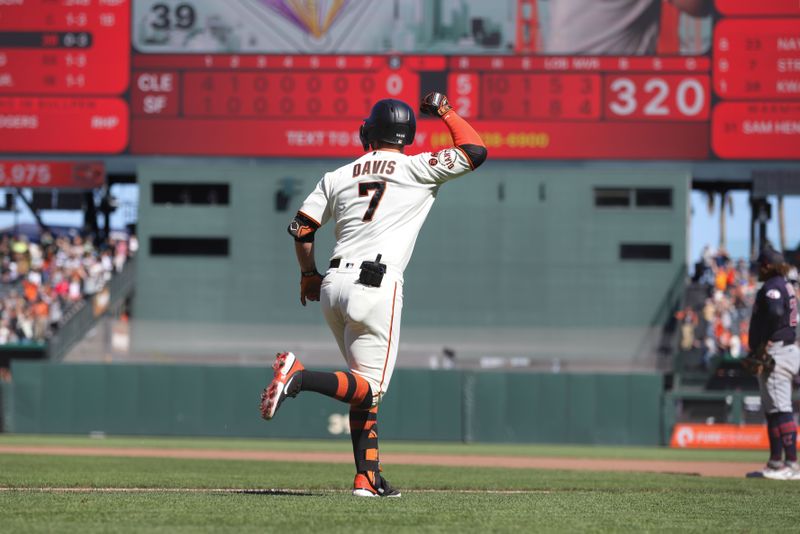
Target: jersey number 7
[(363, 190)]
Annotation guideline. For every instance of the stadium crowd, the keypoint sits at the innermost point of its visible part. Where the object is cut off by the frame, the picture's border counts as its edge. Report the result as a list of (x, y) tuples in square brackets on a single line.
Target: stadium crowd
[(716, 318), (40, 280)]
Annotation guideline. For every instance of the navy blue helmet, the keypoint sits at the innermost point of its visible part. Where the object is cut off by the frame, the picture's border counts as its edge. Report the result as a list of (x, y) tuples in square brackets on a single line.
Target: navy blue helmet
[(391, 121)]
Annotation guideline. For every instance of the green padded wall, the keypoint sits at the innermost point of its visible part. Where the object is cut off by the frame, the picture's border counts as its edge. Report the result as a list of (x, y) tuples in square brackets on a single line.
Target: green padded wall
[(185, 400), (566, 408)]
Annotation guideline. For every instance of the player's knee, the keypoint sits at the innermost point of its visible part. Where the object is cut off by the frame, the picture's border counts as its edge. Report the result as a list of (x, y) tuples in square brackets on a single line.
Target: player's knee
[(362, 396)]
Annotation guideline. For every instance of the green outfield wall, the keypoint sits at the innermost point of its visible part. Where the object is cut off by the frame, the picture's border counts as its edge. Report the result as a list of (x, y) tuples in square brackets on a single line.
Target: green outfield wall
[(479, 406), (595, 258)]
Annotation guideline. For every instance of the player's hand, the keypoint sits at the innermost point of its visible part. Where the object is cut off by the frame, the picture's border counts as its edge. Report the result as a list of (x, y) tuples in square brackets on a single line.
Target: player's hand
[(435, 104), (310, 286), (758, 362), (752, 364)]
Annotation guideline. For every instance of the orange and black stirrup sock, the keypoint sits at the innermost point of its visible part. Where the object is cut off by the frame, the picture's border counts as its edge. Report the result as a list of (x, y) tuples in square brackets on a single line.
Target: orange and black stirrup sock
[(364, 434), (346, 387)]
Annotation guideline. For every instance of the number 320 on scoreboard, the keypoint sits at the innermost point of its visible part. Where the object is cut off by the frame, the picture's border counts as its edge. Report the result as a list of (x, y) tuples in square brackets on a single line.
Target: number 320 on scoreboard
[(672, 97)]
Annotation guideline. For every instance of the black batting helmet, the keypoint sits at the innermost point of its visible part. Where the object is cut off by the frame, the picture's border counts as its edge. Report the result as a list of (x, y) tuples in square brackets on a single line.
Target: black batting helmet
[(391, 121)]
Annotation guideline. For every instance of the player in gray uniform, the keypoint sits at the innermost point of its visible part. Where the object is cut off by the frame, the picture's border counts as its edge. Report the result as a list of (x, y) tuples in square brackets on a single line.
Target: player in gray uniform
[(775, 357)]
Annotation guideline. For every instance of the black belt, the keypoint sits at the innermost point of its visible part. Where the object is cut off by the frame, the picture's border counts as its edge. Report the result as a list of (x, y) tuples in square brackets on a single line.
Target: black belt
[(336, 262)]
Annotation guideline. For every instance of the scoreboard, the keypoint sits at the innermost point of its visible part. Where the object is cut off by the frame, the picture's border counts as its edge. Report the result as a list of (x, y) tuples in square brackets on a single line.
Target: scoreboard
[(523, 107), (68, 47), (64, 66), (139, 77)]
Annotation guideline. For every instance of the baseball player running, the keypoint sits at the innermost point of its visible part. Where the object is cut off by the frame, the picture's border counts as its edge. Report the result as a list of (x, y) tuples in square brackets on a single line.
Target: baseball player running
[(378, 204), (775, 358)]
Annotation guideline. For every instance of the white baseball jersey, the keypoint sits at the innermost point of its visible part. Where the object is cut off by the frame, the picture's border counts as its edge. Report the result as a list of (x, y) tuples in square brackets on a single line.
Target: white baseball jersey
[(380, 201)]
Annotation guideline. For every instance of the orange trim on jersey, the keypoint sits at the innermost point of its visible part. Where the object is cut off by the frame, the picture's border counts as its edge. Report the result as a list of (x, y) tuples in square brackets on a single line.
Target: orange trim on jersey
[(389, 348), (469, 161), (341, 387), (461, 131), (309, 217)]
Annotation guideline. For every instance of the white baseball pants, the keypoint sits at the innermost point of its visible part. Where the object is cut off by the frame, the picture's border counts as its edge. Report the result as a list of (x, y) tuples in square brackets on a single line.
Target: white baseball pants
[(365, 322)]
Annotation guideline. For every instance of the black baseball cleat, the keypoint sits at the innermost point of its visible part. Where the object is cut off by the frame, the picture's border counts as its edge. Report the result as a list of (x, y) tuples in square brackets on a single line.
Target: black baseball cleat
[(362, 487), (285, 383)]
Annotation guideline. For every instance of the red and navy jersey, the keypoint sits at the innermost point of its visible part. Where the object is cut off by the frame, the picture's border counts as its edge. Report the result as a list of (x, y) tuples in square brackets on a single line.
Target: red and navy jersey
[(774, 313)]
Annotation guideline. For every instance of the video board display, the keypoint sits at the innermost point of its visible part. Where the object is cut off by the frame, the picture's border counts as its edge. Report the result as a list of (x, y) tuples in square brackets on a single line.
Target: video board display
[(52, 174), (537, 79)]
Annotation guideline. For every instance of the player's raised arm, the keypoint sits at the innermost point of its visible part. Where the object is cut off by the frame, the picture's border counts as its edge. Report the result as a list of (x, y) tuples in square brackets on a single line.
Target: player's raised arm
[(464, 136)]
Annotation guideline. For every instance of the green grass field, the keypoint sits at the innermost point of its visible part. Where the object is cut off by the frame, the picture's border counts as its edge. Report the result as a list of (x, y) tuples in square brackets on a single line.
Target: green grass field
[(435, 499)]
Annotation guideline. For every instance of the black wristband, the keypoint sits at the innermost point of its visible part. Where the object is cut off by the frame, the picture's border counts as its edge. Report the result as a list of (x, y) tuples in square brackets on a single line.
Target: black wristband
[(310, 273)]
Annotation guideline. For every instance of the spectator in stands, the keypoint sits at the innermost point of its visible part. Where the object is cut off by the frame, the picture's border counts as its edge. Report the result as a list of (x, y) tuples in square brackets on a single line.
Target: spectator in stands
[(7, 334), (721, 258), (703, 270), (688, 320), (41, 314), (94, 280), (75, 285), (25, 323), (120, 254), (54, 305)]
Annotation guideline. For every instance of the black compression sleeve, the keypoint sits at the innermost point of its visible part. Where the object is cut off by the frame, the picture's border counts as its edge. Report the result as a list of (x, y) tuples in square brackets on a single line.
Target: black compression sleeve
[(476, 154), (302, 228)]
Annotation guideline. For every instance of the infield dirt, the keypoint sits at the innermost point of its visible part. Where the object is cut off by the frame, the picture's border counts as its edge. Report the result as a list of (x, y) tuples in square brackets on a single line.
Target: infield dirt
[(714, 469)]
